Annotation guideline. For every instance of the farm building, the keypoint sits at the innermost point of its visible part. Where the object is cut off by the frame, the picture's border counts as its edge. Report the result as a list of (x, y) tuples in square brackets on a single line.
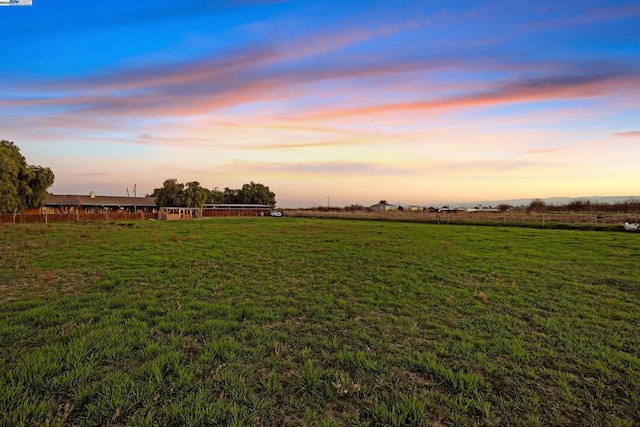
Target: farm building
[(235, 209), (91, 204), (383, 207)]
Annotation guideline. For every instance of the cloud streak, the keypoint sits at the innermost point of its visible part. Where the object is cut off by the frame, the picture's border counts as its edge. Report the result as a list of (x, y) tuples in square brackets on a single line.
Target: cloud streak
[(628, 134), (323, 168), (586, 84), (256, 75)]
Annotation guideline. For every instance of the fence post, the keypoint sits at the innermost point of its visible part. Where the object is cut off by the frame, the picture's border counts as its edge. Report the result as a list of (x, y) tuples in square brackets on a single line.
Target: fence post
[(542, 220)]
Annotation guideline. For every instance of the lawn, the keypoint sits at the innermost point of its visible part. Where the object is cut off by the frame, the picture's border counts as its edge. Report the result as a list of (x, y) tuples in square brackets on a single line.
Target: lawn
[(283, 321)]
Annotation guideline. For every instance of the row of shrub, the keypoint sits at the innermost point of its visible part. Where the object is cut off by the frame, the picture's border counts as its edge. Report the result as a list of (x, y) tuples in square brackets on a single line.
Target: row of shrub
[(536, 205), (585, 205)]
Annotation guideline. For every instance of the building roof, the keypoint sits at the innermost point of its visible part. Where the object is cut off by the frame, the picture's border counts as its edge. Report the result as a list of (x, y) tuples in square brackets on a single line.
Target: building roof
[(82, 200)]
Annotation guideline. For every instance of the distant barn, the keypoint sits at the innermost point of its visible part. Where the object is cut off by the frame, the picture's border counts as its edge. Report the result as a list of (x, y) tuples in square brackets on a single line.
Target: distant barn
[(383, 206)]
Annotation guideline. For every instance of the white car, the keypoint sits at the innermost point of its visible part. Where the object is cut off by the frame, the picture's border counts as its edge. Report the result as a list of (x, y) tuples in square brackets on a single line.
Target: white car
[(276, 213)]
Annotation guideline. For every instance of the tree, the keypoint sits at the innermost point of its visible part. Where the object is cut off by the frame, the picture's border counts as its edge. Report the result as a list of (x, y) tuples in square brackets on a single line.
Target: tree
[(21, 186), (215, 196), (39, 181), (170, 194), (194, 195), (256, 193), (173, 193), (230, 196)]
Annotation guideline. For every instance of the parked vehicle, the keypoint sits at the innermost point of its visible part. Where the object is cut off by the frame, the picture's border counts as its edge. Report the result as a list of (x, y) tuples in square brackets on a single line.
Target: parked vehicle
[(276, 213)]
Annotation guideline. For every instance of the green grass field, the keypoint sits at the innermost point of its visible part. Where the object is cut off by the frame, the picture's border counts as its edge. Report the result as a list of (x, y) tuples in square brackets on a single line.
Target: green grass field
[(263, 321)]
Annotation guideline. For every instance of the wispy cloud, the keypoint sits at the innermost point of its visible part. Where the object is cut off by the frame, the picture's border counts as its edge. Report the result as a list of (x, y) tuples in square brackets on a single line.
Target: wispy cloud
[(322, 168), (628, 134), (145, 138), (586, 84), (311, 144), (257, 75)]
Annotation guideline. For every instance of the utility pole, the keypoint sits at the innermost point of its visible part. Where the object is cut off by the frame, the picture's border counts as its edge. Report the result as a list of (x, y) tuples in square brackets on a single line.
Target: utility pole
[(328, 202)]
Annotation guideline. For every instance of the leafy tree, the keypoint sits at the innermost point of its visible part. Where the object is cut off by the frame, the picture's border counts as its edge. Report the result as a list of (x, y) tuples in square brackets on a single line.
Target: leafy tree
[(173, 193), (21, 186), (215, 196), (40, 180), (230, 196), (194, 195), (170, 194), (256, 193)]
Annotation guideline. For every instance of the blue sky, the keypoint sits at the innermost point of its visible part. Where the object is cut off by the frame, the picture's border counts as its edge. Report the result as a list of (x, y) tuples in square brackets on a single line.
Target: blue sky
[(408, 101)]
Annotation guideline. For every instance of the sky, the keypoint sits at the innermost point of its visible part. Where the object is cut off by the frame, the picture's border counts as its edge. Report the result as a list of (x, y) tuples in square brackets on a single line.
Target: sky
[(340, 102)]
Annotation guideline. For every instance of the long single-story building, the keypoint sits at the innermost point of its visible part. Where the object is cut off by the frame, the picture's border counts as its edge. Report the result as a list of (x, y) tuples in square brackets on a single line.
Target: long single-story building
[(76, 203), (235, 209)]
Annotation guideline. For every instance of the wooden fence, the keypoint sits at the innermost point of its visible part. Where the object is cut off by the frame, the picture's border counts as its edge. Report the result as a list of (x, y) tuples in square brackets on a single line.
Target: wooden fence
[(79, 217)]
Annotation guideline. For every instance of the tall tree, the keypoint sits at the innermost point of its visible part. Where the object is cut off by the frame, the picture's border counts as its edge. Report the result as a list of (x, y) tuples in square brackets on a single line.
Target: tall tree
[(173, 193), (256, 193), (21, 186), (194, 195), (215, 196), (170, 194), (230, 196), (40, 179)]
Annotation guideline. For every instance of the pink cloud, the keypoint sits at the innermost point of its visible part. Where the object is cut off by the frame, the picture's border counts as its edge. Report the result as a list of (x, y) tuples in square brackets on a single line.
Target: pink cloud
[(184, 91), (628, 134), (586, 85), (320, 168), (279, 76)]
